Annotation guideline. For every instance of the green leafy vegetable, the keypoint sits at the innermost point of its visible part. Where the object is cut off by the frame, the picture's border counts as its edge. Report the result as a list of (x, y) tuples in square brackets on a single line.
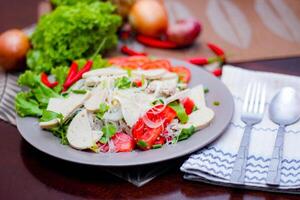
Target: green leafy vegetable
[(123, 83), (98, 62), (26, 106), (142, 144), (61, 132), (29, 79), (206, 90), (70, 2), (79, 91), (72, 32), (156, 146), (103, 108), (180, 111), (60, 74), (216, 103), (108, 130), (42, 94), (186, 133), (50, 115), (38, 61)]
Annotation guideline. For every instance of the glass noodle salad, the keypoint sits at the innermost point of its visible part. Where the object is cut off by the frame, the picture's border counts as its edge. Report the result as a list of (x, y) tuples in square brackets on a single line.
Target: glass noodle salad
[(135, 103)]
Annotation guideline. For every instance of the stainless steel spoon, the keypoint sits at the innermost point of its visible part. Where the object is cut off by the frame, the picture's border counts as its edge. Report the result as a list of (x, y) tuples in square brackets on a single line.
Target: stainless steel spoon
[(284, 110)]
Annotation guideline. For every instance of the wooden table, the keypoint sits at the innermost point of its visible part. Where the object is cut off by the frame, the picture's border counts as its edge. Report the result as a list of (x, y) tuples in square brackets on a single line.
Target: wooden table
[(26, 173)]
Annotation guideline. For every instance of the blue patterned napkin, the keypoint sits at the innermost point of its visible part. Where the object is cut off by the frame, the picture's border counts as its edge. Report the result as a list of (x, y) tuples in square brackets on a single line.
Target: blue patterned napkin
[(215, 162)]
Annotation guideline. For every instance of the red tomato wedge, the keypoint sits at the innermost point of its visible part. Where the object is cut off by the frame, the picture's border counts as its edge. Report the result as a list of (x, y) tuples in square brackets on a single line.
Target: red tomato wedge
[(139, 59), (123, 142), (117, 60), (188, 105), (183, 73), (129, 65), (145, 136), (157, 64)]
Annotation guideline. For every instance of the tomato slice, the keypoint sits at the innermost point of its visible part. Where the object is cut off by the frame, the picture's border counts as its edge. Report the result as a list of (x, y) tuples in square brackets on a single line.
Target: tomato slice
[(145, 136), (138, 83), (188, 105), (160, 140), (123, 142), (117, 60), (157, 64), (139, 59), (129, 65), (183, 73)]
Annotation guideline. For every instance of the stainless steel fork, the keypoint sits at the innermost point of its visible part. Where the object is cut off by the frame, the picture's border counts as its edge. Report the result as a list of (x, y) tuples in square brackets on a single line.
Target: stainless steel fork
[(252, 113)]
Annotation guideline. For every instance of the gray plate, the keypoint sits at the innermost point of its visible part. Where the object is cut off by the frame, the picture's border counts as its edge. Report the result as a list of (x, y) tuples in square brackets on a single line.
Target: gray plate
[(49, 144)]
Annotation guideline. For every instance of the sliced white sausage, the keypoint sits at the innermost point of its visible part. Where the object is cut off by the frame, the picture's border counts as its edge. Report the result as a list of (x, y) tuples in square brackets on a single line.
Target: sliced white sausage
[(98, 95), (199, 118), (105, 72), (79, 133), (65, 106), (150, 74), (197, 95), (179, 95)]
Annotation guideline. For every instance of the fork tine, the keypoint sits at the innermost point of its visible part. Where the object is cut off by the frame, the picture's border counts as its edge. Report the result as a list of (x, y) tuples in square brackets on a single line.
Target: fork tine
[(246, 100), (262, 100), (252, 98), (257, 98)]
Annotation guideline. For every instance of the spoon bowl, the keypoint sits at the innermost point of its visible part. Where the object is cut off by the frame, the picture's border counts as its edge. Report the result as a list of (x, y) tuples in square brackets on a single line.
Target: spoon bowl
[(284, 108)]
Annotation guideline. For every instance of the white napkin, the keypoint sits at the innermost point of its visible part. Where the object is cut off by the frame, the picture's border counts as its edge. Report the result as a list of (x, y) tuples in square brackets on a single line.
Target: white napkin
[(215, 162)]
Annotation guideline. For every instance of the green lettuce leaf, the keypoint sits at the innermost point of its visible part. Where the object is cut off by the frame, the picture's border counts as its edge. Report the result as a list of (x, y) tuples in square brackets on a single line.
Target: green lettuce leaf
[(29, 79), (123, 83), (180, 111), (50, 115), (42, 94), (60, 73), (26, 105), (108, 130)]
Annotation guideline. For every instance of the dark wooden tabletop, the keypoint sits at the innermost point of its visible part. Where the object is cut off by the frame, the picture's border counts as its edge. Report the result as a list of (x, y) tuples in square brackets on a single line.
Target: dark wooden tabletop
[(26, 173)]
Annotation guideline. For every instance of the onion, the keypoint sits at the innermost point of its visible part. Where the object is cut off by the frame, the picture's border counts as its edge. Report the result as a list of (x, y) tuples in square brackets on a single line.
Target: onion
[(149, 17), (152, 124), (14, 45), (184, 32)]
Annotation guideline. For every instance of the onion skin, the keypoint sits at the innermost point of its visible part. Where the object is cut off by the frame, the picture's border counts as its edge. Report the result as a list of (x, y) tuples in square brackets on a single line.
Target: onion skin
[(149, 17), (14, 45), (184, 32)]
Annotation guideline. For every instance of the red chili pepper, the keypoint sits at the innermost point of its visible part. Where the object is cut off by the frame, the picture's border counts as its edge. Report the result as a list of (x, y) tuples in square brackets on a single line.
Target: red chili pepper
[(217, 72), (130, 52), (45, 81), (87, 67), (204, 61), (217, 50), (154, 42), (72, 72)]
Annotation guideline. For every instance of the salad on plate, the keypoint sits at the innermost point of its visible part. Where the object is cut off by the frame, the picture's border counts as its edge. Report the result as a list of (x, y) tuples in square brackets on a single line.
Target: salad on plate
[(136, 102)]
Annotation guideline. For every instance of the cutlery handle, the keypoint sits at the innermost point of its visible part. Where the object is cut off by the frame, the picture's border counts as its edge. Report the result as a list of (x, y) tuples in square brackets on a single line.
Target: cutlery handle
[(274, 172), (239, 167)]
